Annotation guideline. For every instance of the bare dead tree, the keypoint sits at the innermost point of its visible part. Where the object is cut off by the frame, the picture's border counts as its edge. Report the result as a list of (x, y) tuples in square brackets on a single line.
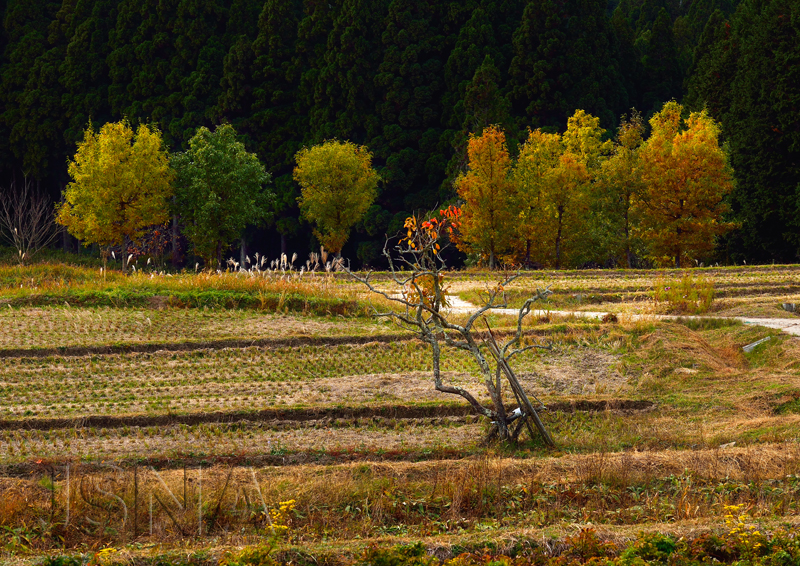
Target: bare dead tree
[(27, 220), (420, 293)]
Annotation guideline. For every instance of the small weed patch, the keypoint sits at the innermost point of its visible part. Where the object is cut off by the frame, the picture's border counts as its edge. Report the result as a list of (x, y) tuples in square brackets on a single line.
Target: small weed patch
[(689, 294), (707, 323)]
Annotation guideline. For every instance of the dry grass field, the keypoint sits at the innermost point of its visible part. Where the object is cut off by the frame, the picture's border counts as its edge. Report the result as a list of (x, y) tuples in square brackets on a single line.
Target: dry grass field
[(166, 429)]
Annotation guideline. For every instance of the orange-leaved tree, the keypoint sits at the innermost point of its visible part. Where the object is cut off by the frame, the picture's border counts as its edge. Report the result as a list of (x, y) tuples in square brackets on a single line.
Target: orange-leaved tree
[(417, 270), (488, 220), (686, 177), (424, 241)]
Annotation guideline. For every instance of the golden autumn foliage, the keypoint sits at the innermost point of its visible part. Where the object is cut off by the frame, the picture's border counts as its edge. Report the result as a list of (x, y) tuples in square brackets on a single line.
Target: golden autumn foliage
[(533, 176), (621, 188), (686, 177), (338, 185), (488, 193), (565, 204), (584, 139), (577, 199), (121, 182), (554, 176)]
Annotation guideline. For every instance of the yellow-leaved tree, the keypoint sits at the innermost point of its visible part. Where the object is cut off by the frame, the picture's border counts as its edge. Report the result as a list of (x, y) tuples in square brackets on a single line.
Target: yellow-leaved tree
[(686, 177), (121, 183), (338, 185), (574, 191), (488, 218), (537, 162), (565, 203), (555, 174), (620, 188)]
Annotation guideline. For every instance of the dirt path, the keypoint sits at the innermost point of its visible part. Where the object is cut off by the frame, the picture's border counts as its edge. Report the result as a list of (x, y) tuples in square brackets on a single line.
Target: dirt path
[(787, 325)]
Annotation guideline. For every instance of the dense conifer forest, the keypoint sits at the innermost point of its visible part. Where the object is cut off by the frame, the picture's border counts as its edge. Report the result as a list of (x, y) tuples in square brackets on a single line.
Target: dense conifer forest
[(410, 80)]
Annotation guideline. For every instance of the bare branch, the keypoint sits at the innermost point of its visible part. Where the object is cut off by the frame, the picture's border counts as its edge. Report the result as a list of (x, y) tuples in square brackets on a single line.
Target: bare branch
[(525, 309), (27, 220), (422, 296)]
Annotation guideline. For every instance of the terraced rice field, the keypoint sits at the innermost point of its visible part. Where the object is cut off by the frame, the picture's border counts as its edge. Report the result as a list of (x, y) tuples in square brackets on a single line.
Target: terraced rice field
[(26, 328), (739, 291), (340, 413)]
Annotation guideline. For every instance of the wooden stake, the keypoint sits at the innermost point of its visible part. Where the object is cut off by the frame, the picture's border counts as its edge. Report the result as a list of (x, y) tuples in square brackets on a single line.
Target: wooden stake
[(135, 501), (52, 496), (219, 501), (151, 514), (200, 502), (66, 521), (168, 490), (169, 513)]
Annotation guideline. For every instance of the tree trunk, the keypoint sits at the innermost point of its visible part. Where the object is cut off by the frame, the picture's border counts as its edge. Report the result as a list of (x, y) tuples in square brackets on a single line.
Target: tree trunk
[(628, 253), (496, 393), (558, 237), (527, 253), (176, 259), (65, 240), (242, 252), (219, 255), (283, 243), (126, 244)]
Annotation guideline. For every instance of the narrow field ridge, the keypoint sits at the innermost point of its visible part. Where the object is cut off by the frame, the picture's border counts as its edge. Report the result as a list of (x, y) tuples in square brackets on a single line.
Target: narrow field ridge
[(302, 415), (127, 348)]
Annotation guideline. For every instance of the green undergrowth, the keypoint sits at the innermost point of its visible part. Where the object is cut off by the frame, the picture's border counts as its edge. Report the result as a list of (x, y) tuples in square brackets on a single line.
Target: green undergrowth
[(47, 284), (707, 322), (305, 303), (9, 256), (687, 294), (732, 544), (792, 406)]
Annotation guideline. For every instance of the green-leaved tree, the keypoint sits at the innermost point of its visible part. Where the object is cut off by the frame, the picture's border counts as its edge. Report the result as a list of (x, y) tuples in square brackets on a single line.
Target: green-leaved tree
[(220, 189)]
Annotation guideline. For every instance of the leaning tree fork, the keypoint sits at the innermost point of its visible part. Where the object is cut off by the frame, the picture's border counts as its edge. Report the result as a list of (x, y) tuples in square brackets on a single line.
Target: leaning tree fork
[(423, 301)]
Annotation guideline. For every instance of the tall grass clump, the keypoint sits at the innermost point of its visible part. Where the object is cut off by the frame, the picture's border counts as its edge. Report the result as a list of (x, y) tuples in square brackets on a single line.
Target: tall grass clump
[(687, 295)]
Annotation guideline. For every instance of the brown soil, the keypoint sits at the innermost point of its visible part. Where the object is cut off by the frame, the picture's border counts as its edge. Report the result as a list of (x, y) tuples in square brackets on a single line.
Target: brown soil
[(580, 371), (189, 345)]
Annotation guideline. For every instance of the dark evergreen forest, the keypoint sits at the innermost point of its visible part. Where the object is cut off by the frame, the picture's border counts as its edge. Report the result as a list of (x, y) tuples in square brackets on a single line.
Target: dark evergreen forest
[(410, 80)]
